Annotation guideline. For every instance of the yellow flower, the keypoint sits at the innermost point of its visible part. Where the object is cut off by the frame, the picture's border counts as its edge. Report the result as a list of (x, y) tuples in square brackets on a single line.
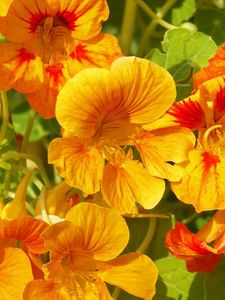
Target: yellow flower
[(84, 251), (116, 105), (203, 182)]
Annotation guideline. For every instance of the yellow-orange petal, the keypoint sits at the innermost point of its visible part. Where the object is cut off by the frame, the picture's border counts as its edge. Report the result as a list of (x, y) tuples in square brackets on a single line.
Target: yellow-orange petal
[(17, 208), (214, 228), (133, 91), (159, 148), (126, 181), (100, 51), (135, 273), (4, 7), (105, 232), (147, 89), (19, 69), (28, 230), (81, 165), (44, 99), (15, 273), (90, 14), (63, 237), (203, 182), (45, 290)]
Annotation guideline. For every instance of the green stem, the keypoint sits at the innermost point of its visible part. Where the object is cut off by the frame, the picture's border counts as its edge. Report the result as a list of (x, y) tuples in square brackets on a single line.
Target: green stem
[(191, 218), (116, 293), (149, 236), (153, 24), (5, 116), (154, 16), (128, 26), (28, 131), (35, 159), (172, 220)]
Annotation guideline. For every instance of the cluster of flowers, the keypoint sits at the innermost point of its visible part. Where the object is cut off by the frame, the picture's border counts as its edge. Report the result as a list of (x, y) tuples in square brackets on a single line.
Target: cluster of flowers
[(202, 184), (121, 137)]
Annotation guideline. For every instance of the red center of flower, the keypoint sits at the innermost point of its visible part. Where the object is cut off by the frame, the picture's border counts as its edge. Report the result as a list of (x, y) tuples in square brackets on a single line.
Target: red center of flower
[(64, 18), (210, 160)]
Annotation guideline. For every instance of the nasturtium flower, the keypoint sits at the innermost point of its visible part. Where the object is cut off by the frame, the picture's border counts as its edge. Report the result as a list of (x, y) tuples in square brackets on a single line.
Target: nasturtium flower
[(214, 69), (188, 246), (116, 104), (203, 182), (83, 255), (25, 232), (15, 273), (53, 41)]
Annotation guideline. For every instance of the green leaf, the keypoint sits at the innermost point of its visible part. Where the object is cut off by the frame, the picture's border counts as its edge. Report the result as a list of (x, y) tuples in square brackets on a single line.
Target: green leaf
[(184, 12), (185, 52), (211, 22), (175, 282)]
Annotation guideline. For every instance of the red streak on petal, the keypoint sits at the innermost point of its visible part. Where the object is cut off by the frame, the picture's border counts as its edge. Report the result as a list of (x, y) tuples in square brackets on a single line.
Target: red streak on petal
[(210, 160), (55, 71), (80, 53), (25, 56), (219, 105), (188, 114)]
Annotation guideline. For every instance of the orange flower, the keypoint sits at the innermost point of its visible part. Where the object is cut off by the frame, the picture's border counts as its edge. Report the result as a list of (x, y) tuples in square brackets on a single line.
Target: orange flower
[(203, 182), (214, 69), (84, 252), (185, 245), (53, 41), (116, 105), (25, 231)]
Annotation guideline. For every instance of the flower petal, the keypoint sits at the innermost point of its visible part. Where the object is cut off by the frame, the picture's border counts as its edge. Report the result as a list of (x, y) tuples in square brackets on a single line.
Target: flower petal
[(19, 69), (135, 273), (214, 228), (105, 236), (15, 273), (127, 182), (185, 245), (159, 148), (100, 51), (214, 69), (27, 230), (44, 99), (203, 182), (80, 164), (45, 290), (131, 92)]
